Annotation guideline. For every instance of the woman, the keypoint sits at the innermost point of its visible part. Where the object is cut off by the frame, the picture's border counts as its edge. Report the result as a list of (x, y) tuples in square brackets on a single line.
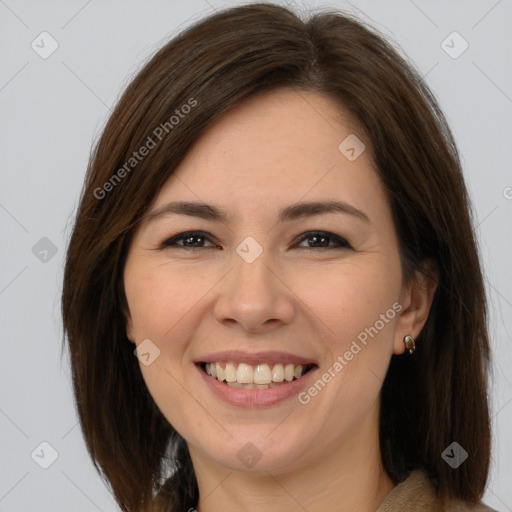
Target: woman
[(276, 224)]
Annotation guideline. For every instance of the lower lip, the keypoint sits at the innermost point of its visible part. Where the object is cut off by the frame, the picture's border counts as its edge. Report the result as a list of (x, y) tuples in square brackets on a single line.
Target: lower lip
[(255, 397)]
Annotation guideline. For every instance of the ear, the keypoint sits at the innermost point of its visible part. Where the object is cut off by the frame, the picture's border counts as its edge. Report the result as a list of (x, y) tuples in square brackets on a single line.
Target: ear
[(130, 332), (416, 299)]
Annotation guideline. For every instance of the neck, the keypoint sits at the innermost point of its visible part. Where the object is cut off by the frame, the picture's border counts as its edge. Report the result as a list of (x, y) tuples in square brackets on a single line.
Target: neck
[(349, 477)]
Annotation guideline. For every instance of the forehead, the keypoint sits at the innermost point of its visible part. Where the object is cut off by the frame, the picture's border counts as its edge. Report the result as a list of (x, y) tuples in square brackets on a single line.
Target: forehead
[(276, 148)]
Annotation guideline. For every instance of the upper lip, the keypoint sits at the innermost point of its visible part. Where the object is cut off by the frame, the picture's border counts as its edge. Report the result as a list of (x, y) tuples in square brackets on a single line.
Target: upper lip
[(240, 356)]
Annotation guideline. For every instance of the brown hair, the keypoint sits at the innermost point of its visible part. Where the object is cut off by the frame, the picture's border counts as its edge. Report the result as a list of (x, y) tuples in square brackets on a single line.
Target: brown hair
[(429, 400)]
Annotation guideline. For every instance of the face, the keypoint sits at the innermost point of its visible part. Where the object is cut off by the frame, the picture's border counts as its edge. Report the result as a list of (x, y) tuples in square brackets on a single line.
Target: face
[(266, 292)]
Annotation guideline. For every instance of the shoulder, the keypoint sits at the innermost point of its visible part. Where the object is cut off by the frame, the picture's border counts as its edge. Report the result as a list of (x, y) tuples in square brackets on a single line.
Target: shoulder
[(416, 493)]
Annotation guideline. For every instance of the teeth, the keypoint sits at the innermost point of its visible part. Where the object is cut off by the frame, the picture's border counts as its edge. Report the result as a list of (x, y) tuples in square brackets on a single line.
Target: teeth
[(288, 372), (260, 376), (230, 372), (278, 373), (244, 374), (219, 371)]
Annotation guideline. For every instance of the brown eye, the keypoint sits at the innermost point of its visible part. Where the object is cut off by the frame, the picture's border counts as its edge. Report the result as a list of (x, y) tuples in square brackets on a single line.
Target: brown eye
[(322, 239), (190, 239)]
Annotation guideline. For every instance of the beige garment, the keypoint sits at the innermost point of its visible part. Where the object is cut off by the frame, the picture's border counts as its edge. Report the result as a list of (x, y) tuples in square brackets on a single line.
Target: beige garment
[(417, 494)]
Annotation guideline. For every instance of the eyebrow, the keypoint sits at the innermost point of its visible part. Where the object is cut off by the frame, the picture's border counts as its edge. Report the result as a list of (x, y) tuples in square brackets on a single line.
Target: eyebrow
[(289, 213)]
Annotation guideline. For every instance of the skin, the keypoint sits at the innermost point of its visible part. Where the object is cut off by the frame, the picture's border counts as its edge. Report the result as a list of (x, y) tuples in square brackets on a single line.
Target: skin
[(272, 151)]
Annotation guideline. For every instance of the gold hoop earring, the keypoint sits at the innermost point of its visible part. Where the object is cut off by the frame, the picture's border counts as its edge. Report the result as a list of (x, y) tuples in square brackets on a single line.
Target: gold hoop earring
[(409, 343)]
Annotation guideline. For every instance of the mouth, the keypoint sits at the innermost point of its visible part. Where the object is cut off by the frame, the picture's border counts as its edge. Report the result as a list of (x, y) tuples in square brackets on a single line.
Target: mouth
[(244, 379), (250, 380), (255, 376)]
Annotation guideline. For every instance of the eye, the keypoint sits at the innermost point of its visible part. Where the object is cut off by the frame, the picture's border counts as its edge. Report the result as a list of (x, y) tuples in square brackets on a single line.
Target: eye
[(321, 240), (196, 240), (191, 240)]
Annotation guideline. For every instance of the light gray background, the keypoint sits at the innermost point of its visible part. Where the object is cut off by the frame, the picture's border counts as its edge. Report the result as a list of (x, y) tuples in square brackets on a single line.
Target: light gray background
[(51, 111)]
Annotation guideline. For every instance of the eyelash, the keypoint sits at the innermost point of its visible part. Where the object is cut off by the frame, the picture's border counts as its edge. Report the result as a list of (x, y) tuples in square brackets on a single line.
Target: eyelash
[(341, 242)]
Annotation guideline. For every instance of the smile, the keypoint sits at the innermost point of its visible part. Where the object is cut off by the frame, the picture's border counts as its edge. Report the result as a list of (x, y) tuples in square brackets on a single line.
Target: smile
[(251, 380), (255, 376)]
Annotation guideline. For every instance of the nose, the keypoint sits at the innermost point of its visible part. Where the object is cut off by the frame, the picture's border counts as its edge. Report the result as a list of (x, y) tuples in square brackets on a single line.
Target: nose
[(254, 297)]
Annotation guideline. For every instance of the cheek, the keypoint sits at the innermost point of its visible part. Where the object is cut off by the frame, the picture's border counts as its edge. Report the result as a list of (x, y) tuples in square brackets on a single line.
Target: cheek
[(161, 304), (347, 299), (352, 307), (160, 299)]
